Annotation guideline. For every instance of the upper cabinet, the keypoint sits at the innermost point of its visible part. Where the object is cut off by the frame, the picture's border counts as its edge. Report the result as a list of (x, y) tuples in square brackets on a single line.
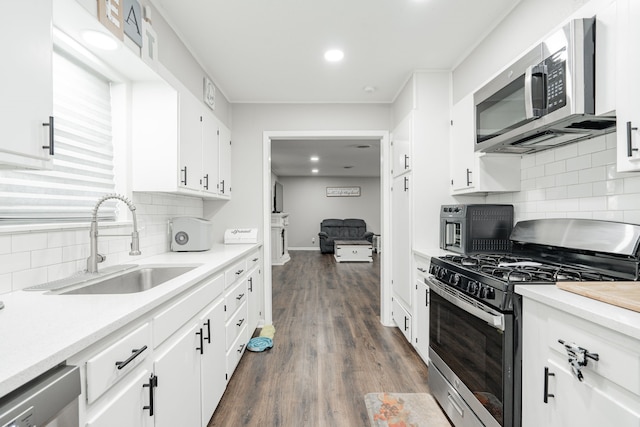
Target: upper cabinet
[(401, 145), (473, 172), (628, 86), (177, 146), (26, 84)]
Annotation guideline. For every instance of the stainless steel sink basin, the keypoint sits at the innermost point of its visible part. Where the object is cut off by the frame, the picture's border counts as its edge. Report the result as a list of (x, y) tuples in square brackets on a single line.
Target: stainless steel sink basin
[(138, 280)]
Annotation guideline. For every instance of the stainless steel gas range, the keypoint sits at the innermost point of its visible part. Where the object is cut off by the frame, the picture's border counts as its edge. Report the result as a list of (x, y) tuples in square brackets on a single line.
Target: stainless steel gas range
[(475, 328)]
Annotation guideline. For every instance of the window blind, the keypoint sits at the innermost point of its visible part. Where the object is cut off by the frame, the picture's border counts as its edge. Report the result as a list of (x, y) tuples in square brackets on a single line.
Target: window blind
[(83, 161)]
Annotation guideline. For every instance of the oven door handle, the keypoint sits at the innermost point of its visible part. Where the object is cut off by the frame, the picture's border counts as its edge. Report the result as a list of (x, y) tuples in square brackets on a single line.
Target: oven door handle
[(494, 319)]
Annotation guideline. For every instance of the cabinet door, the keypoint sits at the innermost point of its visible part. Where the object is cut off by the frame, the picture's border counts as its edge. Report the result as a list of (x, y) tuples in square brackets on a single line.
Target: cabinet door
[(210, 155), (401, 140), (422, 322), (254, 288), (213, 373), (177, 396), (26, 83), (126, 408), (462, 149), (628, 86), (190, 152), (402, 319), (401, 238), (225, 161)]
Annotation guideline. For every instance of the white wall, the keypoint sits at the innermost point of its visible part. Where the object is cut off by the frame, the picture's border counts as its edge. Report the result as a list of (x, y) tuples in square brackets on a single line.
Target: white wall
[(306, 203), (251, 120), (576, 181), (39, 255)]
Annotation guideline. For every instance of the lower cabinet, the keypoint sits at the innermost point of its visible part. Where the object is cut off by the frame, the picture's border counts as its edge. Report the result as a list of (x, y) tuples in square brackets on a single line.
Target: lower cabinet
[(421, 305), (402, 319), (603, 392), (254, 289), (171, 367)]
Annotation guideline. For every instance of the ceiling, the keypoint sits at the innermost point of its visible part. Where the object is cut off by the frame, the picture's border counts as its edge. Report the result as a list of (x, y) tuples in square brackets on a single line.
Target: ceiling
[(271, 51), (336, 157)]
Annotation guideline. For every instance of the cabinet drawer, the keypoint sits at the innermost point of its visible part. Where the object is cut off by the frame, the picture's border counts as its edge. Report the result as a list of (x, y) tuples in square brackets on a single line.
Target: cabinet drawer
[(234, 298), (173, 317), (402, 318), (114, 362), (236, 324), (422, 267), (253, 260), (619, 355), (235, 272), (236, 350)]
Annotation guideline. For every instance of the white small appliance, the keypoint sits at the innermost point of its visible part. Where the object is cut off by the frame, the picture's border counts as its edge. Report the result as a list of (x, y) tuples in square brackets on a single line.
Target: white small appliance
[(190, 234), (241, 235)]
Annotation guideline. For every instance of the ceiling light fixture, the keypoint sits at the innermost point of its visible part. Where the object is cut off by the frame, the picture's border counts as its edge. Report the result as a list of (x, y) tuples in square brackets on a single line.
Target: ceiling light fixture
[(314, 158), (99, 40), (314, 170), (334, 55), (369, 89)]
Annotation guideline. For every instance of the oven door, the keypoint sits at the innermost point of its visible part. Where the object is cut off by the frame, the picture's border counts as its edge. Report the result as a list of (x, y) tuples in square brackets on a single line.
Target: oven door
[(471, 347)]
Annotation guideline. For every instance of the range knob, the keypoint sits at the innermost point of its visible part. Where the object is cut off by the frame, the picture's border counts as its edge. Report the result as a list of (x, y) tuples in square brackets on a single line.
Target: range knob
[(487, 292), (442, 273), (455, 280), (472, 287)]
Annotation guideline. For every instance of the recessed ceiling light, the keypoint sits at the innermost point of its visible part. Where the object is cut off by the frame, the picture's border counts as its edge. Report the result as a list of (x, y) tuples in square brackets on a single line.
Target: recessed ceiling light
[(314, 170), (334, 55), (369, 89), (314, 158), (99, 40)]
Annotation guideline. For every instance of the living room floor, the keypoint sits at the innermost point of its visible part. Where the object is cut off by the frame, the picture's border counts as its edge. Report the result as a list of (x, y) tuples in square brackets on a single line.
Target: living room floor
[(330, 349)]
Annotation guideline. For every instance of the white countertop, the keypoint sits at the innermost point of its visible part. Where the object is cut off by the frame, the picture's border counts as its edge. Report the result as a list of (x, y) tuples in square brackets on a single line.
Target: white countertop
[(610, 316), (39, 330)]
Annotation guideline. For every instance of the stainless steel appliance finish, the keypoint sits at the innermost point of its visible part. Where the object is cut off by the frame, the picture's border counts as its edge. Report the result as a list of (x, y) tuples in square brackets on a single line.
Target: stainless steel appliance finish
[(473, 295), (545, 99), (50, 399), (469, 229)]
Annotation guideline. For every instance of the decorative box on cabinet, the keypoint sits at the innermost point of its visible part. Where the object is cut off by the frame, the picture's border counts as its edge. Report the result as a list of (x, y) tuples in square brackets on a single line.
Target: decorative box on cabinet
[(628, 86), (26, 84), (473, 172), (609, 393)]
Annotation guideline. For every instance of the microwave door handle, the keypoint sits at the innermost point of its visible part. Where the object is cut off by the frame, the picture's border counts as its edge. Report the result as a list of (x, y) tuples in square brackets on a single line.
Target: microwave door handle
[(533, 73)]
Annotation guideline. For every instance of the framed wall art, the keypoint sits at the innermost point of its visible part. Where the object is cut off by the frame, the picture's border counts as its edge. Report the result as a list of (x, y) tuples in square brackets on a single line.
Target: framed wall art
[(343, 191)]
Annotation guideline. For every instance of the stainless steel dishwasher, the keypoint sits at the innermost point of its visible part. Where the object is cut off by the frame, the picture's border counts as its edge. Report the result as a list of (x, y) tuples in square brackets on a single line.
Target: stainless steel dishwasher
[(48, 400)]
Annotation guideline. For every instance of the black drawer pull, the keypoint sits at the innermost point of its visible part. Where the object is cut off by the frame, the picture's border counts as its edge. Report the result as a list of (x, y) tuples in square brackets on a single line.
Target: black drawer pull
[(50, 147), (153, 382), (240, 322), (136, 352), (240, 296), (240, 348), (239, 272), (547, 374), (201, 348), (208, 337)]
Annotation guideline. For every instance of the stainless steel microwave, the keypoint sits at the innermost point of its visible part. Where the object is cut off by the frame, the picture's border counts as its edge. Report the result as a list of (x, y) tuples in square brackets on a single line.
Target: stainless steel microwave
[(544, 99)]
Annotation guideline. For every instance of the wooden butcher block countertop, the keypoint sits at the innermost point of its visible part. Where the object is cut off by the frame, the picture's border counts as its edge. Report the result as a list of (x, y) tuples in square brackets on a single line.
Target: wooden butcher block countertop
[(620, 294)]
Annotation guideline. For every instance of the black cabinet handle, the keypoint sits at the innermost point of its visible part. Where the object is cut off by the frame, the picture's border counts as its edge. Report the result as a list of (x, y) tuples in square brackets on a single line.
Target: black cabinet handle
[(469, 172), (206, 182), (547, 374), (51, 135), (406, 161), (222, 186), (136, 352), (426, 298), (422, 270), (201, 348), (240, 296), (240, 348), (208, 337), (405, 323), (184, 181), (255, 259), (239, 272), (630, 148), (153, 382), (406, 183), (240, 322), (250, 284)]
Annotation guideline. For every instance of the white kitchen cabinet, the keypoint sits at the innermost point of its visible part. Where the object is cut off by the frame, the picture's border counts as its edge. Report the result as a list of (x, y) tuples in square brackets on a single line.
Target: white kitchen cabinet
[(254, 289), (421, 306), (224, 179), (213, 379), (26, 83), (401, 239), (177, 395), (402, 319), (177, 147), (609, 393), (401, 144), (473, 172), (628, 86)]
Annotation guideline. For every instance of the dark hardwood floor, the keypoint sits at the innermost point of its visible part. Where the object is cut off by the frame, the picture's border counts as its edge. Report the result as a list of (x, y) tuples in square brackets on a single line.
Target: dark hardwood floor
[(330, 349)]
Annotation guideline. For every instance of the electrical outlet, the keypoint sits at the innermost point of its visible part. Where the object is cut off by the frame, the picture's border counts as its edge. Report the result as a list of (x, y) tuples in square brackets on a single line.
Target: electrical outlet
[(313, 240)]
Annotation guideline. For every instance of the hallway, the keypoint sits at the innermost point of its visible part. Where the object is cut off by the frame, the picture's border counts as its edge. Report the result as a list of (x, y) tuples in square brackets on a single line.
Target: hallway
[(330, 349)]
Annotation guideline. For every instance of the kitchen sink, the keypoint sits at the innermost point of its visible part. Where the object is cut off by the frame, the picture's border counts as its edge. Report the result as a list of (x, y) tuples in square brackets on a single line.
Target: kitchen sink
[(138, 280)]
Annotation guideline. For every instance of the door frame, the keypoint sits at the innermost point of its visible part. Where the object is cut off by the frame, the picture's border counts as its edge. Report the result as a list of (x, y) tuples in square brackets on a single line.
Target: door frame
[(385, 209)]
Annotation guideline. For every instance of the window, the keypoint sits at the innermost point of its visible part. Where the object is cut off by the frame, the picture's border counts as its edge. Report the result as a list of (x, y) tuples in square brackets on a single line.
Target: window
[(83, 162)]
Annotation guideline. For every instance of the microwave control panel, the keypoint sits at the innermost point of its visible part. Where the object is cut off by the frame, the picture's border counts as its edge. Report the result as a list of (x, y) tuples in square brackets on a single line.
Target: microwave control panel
[(556, 70)]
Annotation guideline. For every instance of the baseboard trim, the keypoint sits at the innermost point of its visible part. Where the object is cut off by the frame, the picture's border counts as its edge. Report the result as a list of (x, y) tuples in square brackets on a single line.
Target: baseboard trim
[(308, 248)]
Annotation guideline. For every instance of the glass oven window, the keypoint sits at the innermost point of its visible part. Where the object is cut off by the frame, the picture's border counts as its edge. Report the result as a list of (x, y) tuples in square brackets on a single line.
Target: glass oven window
[(472, 349), (453, 235)]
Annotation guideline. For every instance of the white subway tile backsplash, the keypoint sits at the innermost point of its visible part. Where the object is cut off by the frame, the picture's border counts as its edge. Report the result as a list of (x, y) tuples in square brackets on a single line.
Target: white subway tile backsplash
[(545, 157), (46, 257), (5, 244), (5, 283), (568, 205), (593, 204), (580, 190), (606, 188), (556, 193), (594, 174), (624, 202), (631, 184), (25, 278), (609, 216), (606, 157), (579, 163), (28, 242), (631, 216), (592, 145), (15, 262), (568, 178), (554, 168), (566, 152), (546, 181)]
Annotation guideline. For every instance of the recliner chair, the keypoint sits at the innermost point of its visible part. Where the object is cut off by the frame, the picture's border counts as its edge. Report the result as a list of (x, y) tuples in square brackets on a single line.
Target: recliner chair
[(342, 229)]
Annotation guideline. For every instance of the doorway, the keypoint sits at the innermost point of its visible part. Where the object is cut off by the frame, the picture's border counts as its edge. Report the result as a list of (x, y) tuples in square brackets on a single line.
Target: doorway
[(385, 207)]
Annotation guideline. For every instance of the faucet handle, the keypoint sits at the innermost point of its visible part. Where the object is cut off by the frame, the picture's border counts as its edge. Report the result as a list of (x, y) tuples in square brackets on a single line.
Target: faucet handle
[(100, 258)]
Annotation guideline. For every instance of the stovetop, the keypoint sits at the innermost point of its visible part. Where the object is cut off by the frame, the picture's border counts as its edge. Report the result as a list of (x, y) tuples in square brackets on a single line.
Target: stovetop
[(491, 278)]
